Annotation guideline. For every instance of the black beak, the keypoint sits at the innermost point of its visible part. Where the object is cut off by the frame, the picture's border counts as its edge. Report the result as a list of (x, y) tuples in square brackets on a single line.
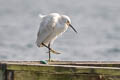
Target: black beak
[(73, 28)]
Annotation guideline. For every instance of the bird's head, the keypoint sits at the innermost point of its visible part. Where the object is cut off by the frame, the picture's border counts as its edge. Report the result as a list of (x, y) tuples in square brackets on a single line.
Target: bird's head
[(67, 21)]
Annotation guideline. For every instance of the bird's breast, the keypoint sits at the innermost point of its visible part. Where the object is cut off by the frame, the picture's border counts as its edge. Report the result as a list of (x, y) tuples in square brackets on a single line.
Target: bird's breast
[(60, 29)]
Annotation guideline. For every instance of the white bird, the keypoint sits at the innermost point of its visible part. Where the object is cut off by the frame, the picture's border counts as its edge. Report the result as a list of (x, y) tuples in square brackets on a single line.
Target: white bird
[(51, 26)]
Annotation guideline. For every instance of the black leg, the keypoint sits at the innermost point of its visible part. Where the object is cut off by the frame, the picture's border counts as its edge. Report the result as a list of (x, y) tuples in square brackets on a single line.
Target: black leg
[(46, 46), (49, 52), (53, 51)]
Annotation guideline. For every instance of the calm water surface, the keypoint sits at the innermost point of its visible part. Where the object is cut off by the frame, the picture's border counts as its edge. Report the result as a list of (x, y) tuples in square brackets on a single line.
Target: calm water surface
[(97, 23)]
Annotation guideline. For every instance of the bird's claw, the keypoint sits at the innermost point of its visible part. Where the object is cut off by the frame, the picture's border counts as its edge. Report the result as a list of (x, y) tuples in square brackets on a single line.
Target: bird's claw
[(55, 52)]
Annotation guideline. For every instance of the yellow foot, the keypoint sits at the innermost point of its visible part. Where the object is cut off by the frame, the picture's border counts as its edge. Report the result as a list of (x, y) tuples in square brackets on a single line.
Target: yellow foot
[(53, 51)]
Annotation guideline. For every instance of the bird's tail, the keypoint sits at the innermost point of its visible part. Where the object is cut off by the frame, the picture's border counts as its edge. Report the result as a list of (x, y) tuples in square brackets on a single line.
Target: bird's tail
[(41, 16)]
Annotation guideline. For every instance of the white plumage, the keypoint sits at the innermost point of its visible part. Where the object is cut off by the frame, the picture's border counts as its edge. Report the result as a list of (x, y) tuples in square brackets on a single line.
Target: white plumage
[(51, 26)]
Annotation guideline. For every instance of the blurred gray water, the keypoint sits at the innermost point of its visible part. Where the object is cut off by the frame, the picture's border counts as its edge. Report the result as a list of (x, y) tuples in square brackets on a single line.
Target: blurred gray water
[(97, 23)]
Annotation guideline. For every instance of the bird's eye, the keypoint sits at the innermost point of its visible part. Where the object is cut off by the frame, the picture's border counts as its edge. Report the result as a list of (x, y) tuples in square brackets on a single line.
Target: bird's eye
[(67, 22)]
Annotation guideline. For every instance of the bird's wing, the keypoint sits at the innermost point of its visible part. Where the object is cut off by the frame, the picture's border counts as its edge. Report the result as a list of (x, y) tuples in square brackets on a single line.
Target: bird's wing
[(45, 30)]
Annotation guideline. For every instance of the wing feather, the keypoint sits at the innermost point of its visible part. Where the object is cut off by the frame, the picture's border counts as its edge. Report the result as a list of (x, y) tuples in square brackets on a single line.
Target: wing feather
[(45, 30)]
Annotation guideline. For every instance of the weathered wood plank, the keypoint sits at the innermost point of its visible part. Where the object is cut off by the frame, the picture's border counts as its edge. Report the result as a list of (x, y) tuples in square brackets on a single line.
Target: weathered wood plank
[(75, 63), (28, 75), (63, 70), (53, 76)]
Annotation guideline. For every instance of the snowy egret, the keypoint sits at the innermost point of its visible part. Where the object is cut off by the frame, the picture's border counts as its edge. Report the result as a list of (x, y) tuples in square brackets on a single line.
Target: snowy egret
[(51, 26)]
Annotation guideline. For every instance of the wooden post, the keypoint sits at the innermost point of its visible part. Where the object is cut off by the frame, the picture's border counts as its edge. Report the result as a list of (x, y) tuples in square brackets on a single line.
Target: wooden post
[(3, 72)]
